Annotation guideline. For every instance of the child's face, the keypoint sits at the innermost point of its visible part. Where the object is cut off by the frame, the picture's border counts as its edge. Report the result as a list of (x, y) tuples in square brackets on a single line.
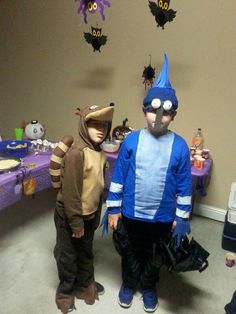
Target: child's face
[(165, 120), (97, 130)]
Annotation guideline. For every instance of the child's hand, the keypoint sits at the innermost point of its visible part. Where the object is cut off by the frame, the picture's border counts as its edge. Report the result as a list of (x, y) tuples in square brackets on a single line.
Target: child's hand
[(78, 233), (173, 225), (113, 220), (181, 229)]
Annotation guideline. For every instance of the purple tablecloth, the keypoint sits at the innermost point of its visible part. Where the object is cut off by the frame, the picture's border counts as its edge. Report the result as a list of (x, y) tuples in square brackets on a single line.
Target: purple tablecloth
[(111, 160), (35, 166), (200, 177)]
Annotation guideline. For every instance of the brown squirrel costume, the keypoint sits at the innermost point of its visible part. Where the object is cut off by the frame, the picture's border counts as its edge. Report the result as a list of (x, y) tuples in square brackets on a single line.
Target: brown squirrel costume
[(80, 178)]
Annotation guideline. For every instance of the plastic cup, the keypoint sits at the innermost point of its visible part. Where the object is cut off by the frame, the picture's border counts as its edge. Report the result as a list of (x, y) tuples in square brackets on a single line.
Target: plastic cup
[(18, 134), (230, 259), (198, 162)]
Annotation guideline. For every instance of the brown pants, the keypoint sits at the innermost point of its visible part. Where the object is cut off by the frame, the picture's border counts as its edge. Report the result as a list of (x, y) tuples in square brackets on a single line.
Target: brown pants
[(74, 256)]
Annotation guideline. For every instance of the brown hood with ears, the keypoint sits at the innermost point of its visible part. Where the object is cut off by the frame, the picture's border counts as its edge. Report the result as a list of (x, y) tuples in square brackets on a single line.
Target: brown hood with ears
[(94, 112)]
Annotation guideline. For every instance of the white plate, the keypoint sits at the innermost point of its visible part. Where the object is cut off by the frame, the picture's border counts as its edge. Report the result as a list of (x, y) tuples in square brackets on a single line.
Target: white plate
[(7, 164)]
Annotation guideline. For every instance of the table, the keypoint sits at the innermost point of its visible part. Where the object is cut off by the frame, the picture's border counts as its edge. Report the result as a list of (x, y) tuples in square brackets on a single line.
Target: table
[(200, 177), (33, 166), (37, 167), (200, 180)]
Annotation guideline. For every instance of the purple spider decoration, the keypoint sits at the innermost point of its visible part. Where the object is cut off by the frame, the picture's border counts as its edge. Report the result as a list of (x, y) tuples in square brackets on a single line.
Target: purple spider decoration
[(92, 6)]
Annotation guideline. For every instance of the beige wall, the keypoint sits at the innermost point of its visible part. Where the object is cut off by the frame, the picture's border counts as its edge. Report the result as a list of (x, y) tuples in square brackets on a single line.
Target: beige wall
[(47, 69)]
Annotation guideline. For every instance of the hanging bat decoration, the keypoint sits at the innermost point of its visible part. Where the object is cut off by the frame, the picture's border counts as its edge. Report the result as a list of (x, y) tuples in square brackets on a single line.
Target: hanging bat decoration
[(95, 38), (161, 12), (148, 74), (92, 6)]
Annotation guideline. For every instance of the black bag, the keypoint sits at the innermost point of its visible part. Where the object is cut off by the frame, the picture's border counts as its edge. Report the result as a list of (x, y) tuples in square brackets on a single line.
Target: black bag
[(123, 246), (230, 308), (121, 239), (189, 256)]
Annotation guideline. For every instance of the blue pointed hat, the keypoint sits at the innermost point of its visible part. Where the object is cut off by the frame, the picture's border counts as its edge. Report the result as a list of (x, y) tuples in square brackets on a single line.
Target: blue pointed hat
[(161, 88)]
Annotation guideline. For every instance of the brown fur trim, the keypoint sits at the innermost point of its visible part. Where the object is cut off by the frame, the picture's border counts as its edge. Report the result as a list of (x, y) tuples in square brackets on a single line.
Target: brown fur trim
[(65, 302), (88, 294)]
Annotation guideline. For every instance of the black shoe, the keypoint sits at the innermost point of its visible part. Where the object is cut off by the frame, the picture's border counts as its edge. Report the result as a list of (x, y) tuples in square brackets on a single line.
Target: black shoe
[(71, 308), (100, 288)]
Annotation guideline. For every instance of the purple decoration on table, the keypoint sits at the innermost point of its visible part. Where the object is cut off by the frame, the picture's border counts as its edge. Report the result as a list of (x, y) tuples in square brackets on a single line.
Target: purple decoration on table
[(36, 166), (201, 178), (92, 6)]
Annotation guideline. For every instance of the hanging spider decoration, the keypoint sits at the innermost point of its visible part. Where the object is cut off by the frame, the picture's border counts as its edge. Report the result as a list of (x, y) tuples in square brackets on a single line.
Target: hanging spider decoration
[(161, 12), (148, 75), (95, 38), (92, 6)]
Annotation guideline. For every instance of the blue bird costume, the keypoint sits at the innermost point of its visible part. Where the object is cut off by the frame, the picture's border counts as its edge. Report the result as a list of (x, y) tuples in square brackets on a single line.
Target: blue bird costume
[(151, 187)]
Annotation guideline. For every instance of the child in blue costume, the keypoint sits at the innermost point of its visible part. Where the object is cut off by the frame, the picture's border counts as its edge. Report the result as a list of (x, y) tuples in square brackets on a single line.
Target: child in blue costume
[(150, 192)]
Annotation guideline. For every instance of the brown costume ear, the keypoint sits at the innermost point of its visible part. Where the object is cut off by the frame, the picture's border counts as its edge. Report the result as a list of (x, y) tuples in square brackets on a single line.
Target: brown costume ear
[(77, 111)]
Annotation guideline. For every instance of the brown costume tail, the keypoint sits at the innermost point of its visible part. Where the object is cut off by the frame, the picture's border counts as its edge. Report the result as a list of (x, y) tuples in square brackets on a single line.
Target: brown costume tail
[(56, 159)]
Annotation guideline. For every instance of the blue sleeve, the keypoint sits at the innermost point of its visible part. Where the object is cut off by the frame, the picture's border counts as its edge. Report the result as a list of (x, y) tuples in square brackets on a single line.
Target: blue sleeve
[(184, 185), (115, 195)]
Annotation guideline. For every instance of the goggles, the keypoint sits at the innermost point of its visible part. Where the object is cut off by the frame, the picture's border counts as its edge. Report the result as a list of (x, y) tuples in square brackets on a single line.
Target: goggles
[(156, 104)]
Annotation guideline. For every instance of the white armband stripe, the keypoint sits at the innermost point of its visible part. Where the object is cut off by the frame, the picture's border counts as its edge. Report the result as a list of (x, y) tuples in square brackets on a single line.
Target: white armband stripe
[(184, 200), (114, 203), (182, 214), (116, 187)]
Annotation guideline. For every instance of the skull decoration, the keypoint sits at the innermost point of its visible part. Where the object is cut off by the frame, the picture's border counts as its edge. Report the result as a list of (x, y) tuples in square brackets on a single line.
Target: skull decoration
[(34, 130)]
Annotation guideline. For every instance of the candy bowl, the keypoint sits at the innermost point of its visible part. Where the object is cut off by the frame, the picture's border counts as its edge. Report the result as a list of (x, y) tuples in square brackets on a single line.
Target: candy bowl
[(14, 149)]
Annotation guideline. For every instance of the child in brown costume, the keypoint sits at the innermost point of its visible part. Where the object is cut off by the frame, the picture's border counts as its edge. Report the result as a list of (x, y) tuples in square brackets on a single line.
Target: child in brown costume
[(78, 208)]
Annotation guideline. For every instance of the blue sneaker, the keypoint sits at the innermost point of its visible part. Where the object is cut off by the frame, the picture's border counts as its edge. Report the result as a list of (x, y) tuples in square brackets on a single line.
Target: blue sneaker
[(150, 302), (125, 297)]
